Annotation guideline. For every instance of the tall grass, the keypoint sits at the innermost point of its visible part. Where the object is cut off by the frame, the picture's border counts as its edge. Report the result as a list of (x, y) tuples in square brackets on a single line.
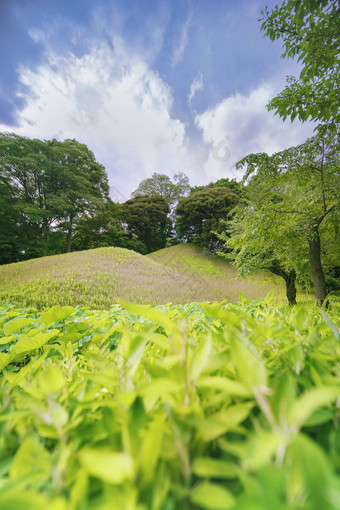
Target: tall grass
[(98, 278)]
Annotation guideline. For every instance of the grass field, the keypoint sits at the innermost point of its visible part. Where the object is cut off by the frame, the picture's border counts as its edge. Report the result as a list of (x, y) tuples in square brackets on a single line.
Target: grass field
[(98, 278)]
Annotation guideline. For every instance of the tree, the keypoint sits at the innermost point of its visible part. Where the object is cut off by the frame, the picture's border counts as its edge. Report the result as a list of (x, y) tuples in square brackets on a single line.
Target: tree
[(254, 242), (161, 184), (146, 218), (51, 185), (299, 190), (200, 214), (310, 30), (234, 185)]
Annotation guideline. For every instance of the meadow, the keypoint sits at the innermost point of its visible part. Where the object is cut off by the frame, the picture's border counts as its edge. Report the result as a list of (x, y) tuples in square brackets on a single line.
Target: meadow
[(211, 405), (98, 278)]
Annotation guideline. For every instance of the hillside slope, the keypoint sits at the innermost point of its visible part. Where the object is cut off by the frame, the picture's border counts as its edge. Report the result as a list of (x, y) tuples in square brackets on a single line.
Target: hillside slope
[(98, 278)]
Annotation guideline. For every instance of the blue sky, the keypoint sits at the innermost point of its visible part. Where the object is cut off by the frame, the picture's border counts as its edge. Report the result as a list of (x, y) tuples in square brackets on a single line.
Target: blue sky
[(149, 85)]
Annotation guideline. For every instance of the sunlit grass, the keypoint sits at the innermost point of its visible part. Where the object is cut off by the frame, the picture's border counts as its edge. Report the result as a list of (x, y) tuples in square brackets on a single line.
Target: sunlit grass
[(98, 278)]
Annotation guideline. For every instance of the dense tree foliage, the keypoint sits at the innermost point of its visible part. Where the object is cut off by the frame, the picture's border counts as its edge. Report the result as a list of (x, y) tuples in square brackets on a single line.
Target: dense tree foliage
[(202, 213), (310, 30), (162, 185), (235, 186), (146, 219), (45, 187), (293, 209)]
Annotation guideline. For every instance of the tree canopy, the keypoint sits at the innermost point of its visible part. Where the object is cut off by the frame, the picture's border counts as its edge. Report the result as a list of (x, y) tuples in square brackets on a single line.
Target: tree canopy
[(162, 185), (310, 31), (293, 206), (48, 186), (200, 214), (146, 218)]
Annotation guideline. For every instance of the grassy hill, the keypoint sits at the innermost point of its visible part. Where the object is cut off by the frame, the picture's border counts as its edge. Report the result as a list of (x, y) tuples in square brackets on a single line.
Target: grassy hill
[(98, 278)]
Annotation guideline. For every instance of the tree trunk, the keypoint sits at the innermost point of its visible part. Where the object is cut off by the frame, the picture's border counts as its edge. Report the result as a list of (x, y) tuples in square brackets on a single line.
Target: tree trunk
[(68, 240), (290, 287), (289, 279), (318, 276)]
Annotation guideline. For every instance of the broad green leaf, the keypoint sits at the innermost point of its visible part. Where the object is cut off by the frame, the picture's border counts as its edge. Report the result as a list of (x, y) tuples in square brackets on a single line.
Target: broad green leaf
[(56, 314), (260, 448), (159, 387), (310, 475), (51, 379), (31, 344), (5, 359), (17, 325), (248, 363), (151, 447), (136, 349), (212, 496), (107, 465), (200, 358), (7, 339), (233, 388), (301, 319), (23, 500), (214, 468), (303, 407), (30, 457)]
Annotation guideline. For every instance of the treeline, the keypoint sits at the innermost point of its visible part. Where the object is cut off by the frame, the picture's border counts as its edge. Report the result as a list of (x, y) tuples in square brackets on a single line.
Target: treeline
[(54, 198)]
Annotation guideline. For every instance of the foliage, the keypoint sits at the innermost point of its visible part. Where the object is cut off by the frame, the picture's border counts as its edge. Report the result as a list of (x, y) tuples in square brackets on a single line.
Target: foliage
[(45, 187), (161, 184), (293, 203), (203, 406), (202, 213), (146, 217), (234, 185), (310, 31)]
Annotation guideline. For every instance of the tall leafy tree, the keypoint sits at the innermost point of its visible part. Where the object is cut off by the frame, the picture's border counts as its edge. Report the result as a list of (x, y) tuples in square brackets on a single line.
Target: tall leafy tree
[(299, 204), (162, 185), (51, 184), (146, 218), (310, 31), (200, 214)]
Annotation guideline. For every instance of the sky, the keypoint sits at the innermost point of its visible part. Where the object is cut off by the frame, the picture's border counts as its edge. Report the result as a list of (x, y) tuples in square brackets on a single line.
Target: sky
[(150, 86)]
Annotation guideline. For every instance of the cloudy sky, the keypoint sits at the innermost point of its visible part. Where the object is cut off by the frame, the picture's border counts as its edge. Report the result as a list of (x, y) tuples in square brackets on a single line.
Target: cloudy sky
[(149, 85)]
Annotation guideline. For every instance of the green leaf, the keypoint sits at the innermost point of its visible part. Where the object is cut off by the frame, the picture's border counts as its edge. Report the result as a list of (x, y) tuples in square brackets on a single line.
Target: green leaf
[(51, 379), (232, 388), (17, 325), (56, 314), (36, 342), (212, 496), (301, 319), (200, 358), (107, 465), (30, 457), (249, 365), (5, 360), (260, 448), (303, 407), (214, 468)]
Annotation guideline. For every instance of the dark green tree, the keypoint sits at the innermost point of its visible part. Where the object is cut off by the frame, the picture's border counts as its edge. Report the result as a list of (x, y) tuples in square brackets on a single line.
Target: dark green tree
[(310, 31), (202, 213), (51, 184), (146, 219), (294, 205)]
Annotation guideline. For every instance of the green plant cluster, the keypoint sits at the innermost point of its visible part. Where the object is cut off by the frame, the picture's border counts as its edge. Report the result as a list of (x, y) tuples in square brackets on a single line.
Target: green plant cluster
[(202, 406)]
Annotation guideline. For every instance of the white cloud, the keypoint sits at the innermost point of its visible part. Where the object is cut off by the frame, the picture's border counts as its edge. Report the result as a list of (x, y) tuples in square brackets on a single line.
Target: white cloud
[(180, 47), (113, 102), (196, 85), (241, 125)]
